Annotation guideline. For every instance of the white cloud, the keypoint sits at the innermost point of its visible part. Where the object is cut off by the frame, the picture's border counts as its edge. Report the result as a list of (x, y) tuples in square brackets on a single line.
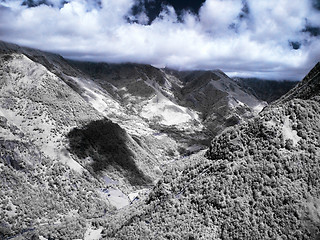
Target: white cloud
[(217, 15), (256, 45)]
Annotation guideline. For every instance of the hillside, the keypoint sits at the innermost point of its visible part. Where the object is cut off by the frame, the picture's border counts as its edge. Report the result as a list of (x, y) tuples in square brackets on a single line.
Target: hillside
[(42, 185), (46, 103), (260, 180), (266, 90), (202, 101), (306, 89), (221, 100), (49, 111)]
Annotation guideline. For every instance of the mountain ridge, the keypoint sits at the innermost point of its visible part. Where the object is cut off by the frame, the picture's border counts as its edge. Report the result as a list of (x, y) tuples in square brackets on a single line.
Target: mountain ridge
[(89, 140), (260, 181)]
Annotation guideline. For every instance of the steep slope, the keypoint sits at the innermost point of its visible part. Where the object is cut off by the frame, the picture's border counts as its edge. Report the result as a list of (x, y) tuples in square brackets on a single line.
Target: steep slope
[(41, 183), (150, 94), (266, 90), (35, 100), (74, 145), (151, 148), (198, 104), (137, 87), (46, 108), (307, 88), (221, 100), (260, 181), (48, 111)]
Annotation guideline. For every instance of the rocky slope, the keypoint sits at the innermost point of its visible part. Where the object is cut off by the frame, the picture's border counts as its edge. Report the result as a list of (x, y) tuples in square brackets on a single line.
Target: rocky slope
[(260, 180), (221, 100), (46, 107), (149, 94), (187, 105)]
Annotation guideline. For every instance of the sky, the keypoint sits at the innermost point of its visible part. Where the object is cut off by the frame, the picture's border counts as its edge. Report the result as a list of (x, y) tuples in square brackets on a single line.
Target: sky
[(270, 39)]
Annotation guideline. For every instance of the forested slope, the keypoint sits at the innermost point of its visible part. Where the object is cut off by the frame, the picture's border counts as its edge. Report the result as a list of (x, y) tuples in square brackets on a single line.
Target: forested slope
[(261, 181)]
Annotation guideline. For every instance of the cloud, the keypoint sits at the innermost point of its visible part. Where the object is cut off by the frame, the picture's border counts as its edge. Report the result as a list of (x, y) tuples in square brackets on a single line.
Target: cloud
[(35, 3), (217, 16), (269, 38)]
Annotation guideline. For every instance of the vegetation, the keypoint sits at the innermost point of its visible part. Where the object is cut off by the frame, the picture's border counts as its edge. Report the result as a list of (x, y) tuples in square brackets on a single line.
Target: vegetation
[(39, 196), (105, 143), (256, 185)]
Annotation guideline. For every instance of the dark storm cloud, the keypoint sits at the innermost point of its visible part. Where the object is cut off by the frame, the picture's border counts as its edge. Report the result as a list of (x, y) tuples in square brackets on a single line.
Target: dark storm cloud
[(295, 45), (314, 31), (152, 9), (265, 38), (316, 4), (36, 3)]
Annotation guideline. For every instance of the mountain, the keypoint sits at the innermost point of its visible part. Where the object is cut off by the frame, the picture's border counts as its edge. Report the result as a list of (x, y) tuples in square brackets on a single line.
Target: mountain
[(197, 99), (46, 98), (42, 185), (221, 101), (260, 180), (306, 89), (79, 141), (62, 162), (266, 90)]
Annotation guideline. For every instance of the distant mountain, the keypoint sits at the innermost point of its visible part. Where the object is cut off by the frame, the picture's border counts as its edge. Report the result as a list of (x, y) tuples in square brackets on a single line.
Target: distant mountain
[(208, 98), (306, 89), (260, 181), (266, 90), (220, 99)]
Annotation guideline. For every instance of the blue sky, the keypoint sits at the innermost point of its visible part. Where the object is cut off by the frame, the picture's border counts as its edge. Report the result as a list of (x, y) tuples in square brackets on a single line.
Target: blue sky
[(275, 39)]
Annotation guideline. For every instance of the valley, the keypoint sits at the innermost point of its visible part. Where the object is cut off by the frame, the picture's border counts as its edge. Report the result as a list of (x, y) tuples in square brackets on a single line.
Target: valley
[(124, 151)]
